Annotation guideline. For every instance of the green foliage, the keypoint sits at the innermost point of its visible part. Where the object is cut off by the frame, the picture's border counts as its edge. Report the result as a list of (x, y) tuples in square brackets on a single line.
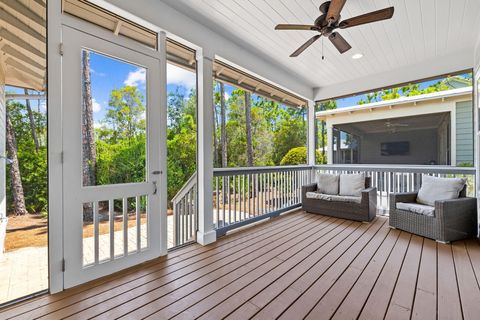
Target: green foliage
[(181, 140), (414, 89), (465, 164), (32, 165), (298, 155)]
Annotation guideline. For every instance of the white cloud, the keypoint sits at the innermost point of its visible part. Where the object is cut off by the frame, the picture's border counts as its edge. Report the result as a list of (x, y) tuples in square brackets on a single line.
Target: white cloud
[(135, 78), (180, 77), (100, 74), (96, 107)]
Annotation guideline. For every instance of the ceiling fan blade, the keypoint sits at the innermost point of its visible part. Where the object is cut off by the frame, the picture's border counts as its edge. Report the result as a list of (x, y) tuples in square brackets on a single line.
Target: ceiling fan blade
[(334, 9), (305, 45), (295, 27), (339, 42), (374, 16)]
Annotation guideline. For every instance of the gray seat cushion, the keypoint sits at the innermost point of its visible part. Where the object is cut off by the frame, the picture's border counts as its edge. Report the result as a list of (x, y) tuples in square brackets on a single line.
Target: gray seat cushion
[(416, 208), (352, 184), (434, 189), (327, 183), (333, 198)]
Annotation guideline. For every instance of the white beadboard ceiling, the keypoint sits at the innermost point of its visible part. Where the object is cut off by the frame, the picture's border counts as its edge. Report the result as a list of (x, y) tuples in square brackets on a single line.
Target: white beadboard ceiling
[(420, 32)]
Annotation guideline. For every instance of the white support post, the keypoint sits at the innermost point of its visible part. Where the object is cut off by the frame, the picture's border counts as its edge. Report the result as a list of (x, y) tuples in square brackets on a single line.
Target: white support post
[(206, 233), (55, 148), (329, 143), (311, 134), (162, 49), (3, 160)]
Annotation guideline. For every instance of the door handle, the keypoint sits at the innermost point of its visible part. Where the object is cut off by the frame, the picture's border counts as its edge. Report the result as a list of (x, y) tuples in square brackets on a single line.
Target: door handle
[(154, 187), (157, 172)]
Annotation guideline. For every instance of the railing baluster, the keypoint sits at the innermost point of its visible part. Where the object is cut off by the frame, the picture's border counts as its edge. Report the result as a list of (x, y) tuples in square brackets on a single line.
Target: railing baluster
[(111, 216), (217, 200), (139, 222), (125, 226), (96, 232)]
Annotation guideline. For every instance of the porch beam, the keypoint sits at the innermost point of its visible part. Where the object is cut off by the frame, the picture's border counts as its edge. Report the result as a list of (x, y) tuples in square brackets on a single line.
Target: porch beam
[(17, 96), (25, 11), (10, 37), (311, 133), (206, 231), (17, 23)]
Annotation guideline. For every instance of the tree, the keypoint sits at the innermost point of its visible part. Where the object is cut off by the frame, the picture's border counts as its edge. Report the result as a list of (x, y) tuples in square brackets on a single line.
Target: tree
[(248, 127), (323, 106), (88, 131), (223, 129), (32, 123), (89, 156), (126, 113), (15, 176), (214, 114)]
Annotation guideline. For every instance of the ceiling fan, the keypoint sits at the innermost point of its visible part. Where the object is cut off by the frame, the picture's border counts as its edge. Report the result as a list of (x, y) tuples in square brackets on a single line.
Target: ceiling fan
[(326, 23), (390, 124), (392, 127)]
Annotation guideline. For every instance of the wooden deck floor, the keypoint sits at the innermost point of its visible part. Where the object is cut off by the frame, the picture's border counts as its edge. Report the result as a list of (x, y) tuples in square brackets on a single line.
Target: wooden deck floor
[(292, 267)]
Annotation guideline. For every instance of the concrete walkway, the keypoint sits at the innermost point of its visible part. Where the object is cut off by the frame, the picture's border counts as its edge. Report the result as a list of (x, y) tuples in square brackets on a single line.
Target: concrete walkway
[(25, 271)]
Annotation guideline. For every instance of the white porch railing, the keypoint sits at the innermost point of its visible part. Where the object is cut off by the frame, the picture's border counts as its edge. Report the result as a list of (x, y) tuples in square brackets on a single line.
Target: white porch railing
[(400, 178), (185, 222), (245, 195)]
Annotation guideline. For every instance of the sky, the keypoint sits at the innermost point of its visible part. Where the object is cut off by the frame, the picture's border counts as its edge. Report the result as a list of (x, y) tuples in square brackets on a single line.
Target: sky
[(108, 74)]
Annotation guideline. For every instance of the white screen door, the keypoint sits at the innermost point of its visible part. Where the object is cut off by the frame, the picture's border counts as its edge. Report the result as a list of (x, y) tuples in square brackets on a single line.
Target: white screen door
[(111, 157)]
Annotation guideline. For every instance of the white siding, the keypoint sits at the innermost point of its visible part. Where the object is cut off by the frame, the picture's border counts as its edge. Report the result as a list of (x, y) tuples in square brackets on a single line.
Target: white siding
[(464, 132)]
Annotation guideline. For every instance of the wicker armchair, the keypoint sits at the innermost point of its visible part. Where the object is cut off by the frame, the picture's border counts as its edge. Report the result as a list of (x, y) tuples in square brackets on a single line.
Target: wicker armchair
[(452, 220), (366, 210)]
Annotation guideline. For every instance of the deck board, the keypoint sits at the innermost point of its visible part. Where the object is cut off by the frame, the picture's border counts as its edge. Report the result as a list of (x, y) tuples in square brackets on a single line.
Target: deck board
[(292, 267)]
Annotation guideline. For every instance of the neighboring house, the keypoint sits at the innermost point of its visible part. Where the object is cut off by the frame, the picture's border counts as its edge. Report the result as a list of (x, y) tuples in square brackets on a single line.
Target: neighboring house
[(434, 128)]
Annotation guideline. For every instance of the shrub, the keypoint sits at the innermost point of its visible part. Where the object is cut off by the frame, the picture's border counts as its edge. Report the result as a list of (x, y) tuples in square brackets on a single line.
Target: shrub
[(298, 155)]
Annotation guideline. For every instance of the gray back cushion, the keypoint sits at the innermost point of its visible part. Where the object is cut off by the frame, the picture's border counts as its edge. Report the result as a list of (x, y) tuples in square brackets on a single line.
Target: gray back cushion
[(352, 184), (434, 189), (327, 183)]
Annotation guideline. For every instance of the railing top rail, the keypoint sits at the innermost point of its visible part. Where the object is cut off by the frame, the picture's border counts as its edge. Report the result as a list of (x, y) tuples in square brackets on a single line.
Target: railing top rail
[(219, 172), (398, 168), (186, 187)]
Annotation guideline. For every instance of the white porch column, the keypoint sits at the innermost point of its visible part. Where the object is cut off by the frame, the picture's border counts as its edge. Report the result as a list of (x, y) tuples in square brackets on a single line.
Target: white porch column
[(329, 143), (311, 133), (206, 233)]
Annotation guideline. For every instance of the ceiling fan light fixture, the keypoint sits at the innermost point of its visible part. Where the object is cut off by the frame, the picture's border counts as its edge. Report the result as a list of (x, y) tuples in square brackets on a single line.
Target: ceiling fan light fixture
[(357, 56)]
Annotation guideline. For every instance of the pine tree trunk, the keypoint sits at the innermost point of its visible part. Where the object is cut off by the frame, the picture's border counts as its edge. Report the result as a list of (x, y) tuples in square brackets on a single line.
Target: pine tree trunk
[(323, 139), (16, 179), (89, 150), (215, 142), (223, 128), (248, 125), (33, 128)]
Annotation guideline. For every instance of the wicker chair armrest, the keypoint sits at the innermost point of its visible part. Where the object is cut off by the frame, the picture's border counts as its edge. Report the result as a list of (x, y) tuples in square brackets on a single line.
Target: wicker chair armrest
[(308, 188), (455, 209), (403, 197), (369, 194), (369, 201)]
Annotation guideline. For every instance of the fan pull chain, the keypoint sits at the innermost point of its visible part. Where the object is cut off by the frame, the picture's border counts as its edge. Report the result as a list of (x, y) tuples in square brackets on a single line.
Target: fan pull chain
[(323, 57)]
